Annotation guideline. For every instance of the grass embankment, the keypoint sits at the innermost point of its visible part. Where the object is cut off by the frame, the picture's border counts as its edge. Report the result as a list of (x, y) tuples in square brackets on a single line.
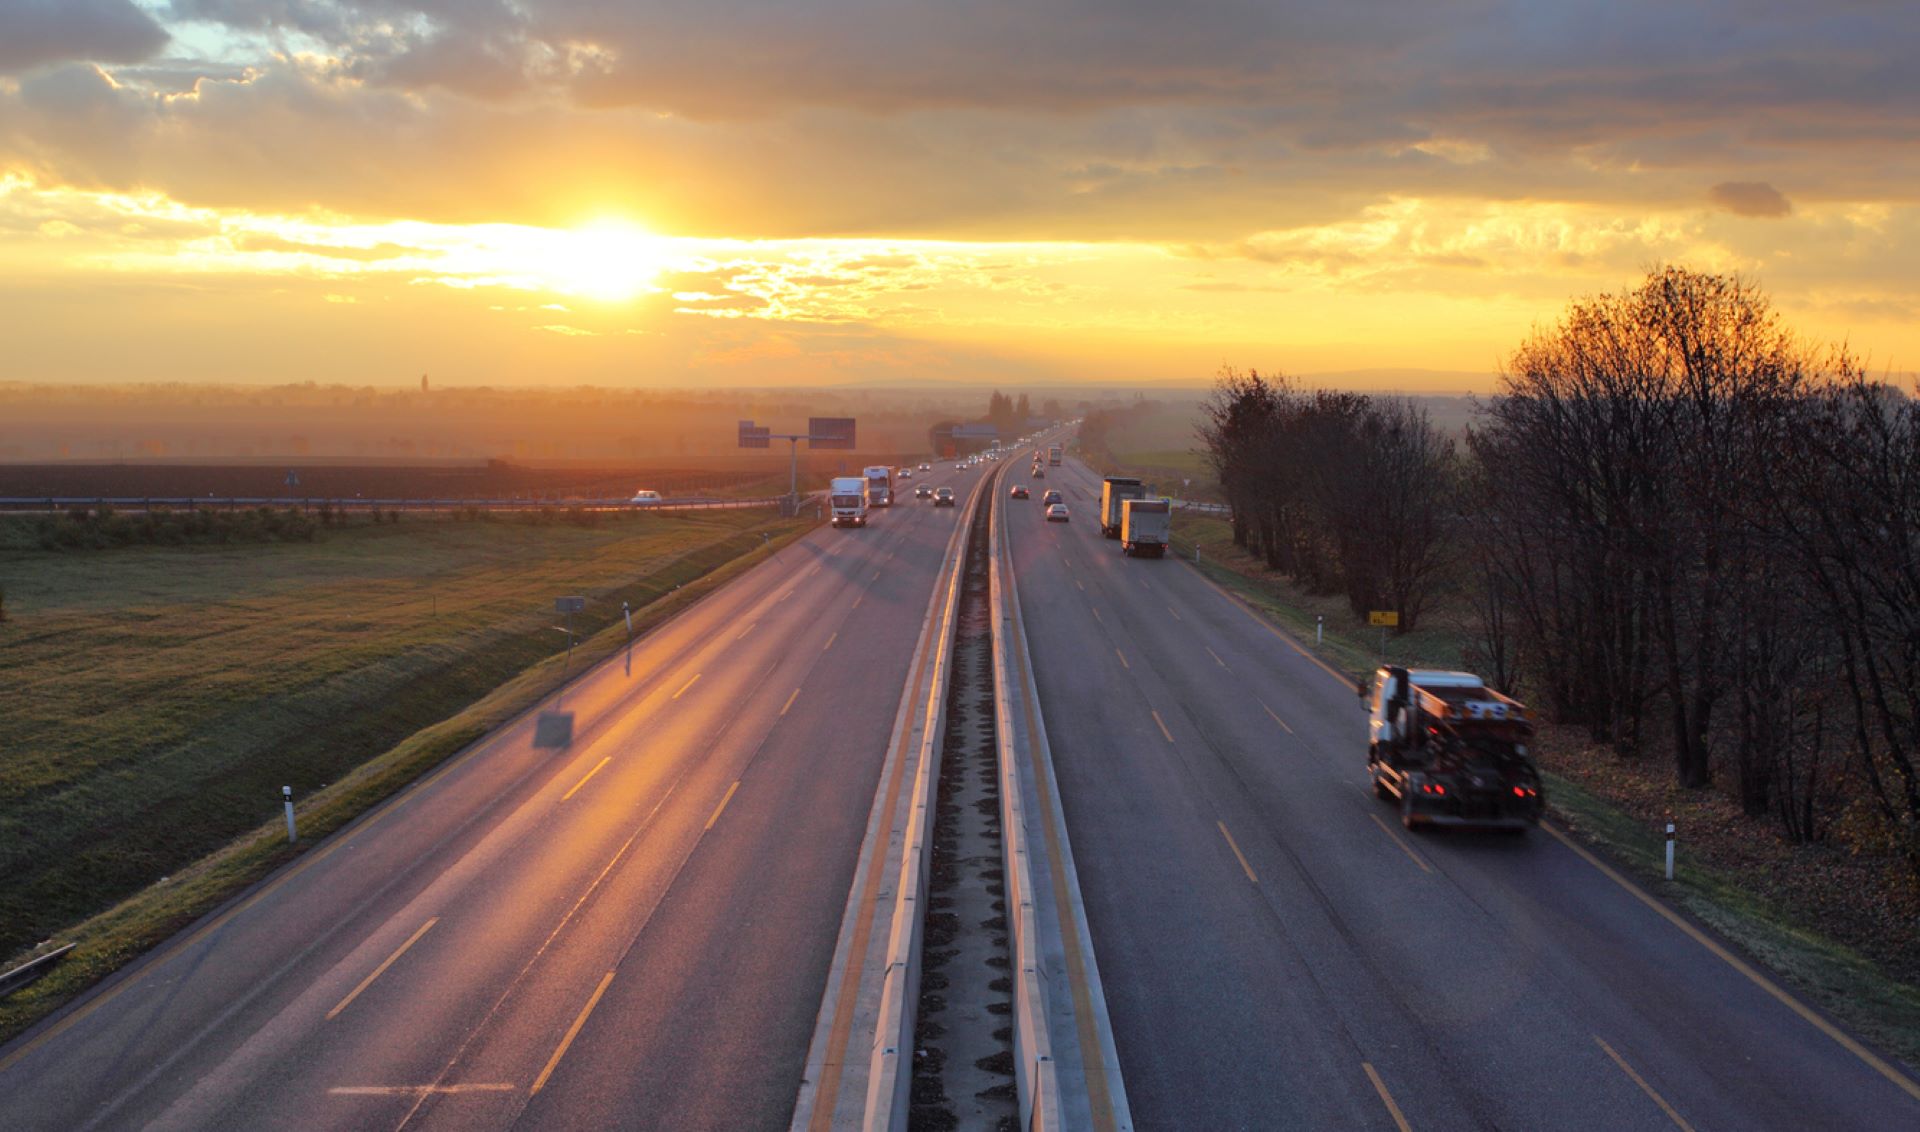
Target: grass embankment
[(156, 699), (1812, 914)]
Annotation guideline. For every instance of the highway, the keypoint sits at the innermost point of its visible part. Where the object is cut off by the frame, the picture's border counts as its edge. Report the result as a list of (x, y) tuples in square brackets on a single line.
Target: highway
[(630, 932), (1278, 953)]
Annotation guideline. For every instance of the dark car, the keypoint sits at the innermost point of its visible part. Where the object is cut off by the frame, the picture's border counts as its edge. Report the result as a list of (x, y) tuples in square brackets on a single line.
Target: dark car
[(1039, 472), (1052, 496), (943, 497), (1019, 491), (923, 491)]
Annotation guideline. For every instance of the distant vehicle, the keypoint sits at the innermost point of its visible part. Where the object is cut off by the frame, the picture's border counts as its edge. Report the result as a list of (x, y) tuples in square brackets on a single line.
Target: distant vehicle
[(1057, 513), (923, 492), (943, 497), (1451, 750), (959, 467), (847, 495), (926, 467), (879, 486), (1146, 526), (1053, 456), (1052, 496), (1020, 491), (646, 498), (1039, 472), (906, 473), (1115, 490)]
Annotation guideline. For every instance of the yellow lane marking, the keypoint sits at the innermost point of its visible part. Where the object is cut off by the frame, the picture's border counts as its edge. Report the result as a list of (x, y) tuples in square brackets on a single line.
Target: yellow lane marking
[(1099, 1097), (1235, 846), (830, 640), (1176, 613), (856, 603), (747, 630), (1163, 726), (1644, 1087), (1276, 719), (417, 1090), (827, 1095), (1866, 1055), (1402, 843), (572, 1031), (1123, 658), (1386, 1098), (789, 703), (584, 777), (1215, 656), (688, 684), (381, 969), (723, 804)]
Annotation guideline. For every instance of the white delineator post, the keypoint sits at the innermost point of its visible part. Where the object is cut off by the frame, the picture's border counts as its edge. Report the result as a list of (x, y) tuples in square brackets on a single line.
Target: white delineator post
[(1669, 850), (286, 796), (626, 611), (1319, 629)]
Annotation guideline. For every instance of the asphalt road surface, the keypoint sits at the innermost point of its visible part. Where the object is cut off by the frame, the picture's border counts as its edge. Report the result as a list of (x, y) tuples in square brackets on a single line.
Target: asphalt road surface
[(1279, 953), (630, 932)]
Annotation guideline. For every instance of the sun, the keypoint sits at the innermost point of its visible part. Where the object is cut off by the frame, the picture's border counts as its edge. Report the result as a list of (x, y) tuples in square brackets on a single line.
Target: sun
[(608, 260)]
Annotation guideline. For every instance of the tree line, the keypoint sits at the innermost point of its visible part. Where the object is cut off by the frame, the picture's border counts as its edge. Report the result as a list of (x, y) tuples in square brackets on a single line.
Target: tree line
[(1675, 525)]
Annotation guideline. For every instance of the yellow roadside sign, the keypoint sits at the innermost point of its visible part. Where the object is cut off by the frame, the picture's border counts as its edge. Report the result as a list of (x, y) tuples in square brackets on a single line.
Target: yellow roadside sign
[(1385, 617)]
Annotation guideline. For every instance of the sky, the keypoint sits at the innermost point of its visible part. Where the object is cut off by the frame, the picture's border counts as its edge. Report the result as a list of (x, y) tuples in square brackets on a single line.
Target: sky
[(700, 193)]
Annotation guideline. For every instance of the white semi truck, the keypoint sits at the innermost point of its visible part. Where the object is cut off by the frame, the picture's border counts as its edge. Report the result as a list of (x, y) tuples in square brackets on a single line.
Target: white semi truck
[(1053, 456), (847, 495), (879, 486), (1146, 526)]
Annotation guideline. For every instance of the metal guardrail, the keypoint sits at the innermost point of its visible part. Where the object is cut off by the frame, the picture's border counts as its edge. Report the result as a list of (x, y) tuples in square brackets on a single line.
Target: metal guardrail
[(32, 969), (1036, 1073)]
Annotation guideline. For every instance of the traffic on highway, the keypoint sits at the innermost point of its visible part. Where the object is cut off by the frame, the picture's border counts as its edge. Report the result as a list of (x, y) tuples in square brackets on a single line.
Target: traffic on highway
[(1213, 894)]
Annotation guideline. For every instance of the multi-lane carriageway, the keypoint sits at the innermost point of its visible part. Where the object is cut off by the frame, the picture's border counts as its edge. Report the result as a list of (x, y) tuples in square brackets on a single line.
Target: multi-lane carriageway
[(642, 930)]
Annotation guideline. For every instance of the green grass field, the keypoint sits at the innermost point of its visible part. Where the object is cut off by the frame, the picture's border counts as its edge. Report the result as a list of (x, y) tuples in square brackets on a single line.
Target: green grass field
[(155, 699)]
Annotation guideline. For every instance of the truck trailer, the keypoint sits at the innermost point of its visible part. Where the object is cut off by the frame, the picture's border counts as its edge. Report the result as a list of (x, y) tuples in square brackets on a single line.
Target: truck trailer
[(1053, 456), (1146, 526), (1115, 490), (847, 495), (1451, 750), (879, 485)]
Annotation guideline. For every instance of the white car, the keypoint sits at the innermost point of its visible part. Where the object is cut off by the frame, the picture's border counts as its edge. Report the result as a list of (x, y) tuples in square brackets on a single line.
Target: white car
[(1057, 513), (646, 498)]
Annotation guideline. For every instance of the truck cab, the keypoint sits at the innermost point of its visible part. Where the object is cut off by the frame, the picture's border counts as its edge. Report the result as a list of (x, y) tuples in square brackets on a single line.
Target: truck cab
[(847, 496)]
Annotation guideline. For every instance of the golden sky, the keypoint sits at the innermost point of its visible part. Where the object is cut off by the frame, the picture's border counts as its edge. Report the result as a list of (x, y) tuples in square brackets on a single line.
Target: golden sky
[(758, 193)]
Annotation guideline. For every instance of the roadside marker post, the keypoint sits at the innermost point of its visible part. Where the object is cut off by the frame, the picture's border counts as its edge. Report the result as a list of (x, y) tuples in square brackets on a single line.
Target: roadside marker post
[(286, 796), (1319, 629), (1669, 850), (626, 611)]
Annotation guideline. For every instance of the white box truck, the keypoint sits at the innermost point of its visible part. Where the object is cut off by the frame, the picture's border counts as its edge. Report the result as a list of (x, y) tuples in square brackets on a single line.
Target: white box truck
[(847, 495), (1146, 526)]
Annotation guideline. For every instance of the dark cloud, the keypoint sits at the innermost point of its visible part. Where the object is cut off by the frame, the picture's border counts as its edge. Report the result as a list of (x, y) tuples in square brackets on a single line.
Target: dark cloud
[(36, 33), (1749, 198), (995, 119)]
